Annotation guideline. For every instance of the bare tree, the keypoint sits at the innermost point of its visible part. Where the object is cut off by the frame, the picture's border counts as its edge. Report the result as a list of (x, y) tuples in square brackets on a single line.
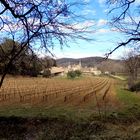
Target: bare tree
[(132, 64), (126, 19), (38, 25)]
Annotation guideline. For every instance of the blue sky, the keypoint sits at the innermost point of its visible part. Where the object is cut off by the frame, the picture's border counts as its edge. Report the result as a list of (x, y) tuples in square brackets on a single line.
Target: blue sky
[(105, 38)]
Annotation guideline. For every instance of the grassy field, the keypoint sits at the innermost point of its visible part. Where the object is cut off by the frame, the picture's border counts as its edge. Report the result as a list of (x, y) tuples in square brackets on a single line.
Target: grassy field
[(59, 108)]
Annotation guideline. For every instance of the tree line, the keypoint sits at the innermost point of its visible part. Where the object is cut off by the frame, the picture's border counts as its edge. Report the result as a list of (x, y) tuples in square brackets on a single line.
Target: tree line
[(27, 63)]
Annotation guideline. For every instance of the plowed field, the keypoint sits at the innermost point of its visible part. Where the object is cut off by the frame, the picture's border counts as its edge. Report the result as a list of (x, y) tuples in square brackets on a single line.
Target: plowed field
[(54, 92)]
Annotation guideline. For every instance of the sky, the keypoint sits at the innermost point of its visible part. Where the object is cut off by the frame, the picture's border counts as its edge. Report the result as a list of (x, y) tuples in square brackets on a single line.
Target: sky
[(105, 37)]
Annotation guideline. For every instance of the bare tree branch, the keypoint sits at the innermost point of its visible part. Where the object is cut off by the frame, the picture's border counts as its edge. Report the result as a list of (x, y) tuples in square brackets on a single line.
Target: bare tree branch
[(126, 21), (46, 22), (122, 44)]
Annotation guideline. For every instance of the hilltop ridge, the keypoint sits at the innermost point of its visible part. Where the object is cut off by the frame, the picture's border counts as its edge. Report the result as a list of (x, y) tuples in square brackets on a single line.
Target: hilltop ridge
[(99, 62)]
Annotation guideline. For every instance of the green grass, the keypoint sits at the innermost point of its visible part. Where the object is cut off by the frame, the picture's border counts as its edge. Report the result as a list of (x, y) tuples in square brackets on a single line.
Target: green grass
[(127, 97), (67, 113), (125, 76), (130, 104)]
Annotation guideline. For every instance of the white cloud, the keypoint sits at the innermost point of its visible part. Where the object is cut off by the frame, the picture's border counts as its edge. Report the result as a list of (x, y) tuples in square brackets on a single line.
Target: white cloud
[(80, 26), (86, 1), (137, 1), (115, 30), (135, 19), (86, 24), (102, 22), (105, 31), (11, 27), (102, 31), (101, 1), (91, 12), (106, 11)]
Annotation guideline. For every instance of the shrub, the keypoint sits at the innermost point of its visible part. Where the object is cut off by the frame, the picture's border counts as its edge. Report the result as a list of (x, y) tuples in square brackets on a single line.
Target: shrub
[(78, 73), (135, 87), (113, 73), (47, 73), (73, 74)]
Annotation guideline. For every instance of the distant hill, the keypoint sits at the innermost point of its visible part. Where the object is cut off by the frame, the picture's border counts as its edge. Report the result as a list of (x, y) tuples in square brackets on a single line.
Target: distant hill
[(111, 65)]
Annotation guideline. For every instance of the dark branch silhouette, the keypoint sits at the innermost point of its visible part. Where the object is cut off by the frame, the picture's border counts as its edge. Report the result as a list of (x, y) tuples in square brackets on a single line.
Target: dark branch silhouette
[(38, 25), (126, 20), (122, 44)]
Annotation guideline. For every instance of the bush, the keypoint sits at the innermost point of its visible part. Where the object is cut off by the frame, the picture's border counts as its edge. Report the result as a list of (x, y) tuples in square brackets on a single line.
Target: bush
[(73, 74), (135, 87), (78, 73), (47, 73), (113, 73)]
